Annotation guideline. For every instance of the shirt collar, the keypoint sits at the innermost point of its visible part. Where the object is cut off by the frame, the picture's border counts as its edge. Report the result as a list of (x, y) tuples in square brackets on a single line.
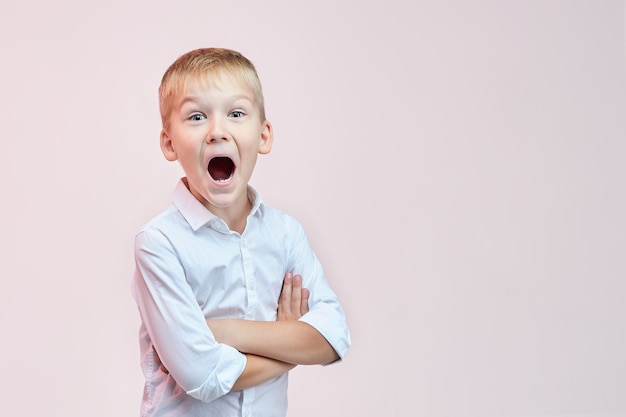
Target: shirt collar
[(197, 215)]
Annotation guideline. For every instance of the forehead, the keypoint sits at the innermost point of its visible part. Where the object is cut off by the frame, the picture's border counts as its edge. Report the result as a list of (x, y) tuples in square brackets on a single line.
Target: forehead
[(202, 84)]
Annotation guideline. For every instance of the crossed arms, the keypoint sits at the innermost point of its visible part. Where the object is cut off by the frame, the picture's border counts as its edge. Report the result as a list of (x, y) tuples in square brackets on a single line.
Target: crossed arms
[(273, 348), (208, 361)]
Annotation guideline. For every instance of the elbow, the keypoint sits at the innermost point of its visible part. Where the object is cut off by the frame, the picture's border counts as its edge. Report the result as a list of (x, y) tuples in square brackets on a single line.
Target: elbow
[(332, 341), (326, 354), (330, 358), (320, 351), (202, 387), (208, 391), (219, 381)]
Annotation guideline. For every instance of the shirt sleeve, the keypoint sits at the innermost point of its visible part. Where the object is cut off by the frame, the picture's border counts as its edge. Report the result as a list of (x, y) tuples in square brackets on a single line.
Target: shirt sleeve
[(205, 369), (325, 313)]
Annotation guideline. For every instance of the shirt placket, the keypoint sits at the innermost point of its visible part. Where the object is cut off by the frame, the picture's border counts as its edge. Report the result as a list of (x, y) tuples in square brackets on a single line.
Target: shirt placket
[(248, 275), (248, 400), (251, 294)]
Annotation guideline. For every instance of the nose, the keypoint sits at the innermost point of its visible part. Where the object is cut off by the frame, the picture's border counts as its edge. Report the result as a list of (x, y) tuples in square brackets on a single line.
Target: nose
[(217, 131)]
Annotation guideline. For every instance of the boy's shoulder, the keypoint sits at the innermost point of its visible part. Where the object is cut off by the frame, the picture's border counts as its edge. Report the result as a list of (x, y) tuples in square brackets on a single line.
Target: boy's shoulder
[(272, 212), (273, 215), (266, 212), (167, 219)]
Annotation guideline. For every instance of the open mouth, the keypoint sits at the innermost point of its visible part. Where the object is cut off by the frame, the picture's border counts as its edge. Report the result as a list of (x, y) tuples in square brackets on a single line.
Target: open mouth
[(221, 168)]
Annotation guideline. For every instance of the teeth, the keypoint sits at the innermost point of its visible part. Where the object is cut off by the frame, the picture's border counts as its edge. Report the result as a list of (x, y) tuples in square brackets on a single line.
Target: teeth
[(224, 180)]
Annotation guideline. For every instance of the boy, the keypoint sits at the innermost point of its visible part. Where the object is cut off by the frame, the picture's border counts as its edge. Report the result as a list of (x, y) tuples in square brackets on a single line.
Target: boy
[(220, 327)]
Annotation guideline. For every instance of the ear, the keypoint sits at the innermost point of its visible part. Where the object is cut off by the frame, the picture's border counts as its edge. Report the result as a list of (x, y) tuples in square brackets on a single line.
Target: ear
[(267, 137), (167, 147)]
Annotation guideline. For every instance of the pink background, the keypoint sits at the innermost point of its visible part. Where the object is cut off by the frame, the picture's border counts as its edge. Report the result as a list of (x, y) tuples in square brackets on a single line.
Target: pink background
[(459, 166)]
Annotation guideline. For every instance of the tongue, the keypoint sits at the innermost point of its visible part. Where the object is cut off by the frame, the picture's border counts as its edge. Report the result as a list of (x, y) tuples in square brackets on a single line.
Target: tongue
[(221, 168)]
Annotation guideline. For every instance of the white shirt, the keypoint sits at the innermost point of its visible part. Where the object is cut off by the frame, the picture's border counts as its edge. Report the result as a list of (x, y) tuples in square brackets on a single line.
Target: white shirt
[(190, 267)]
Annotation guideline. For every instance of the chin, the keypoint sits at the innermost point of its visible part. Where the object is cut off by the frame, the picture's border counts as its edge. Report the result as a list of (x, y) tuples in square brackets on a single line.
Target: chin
[(224, 200)]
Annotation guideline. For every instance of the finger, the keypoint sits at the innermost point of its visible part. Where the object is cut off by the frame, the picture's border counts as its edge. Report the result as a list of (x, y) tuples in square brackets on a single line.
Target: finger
[(296, 294), (284, 304), (304, 304)]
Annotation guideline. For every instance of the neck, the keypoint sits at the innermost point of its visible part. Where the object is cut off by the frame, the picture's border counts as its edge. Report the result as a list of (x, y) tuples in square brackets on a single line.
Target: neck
[(235, 216)]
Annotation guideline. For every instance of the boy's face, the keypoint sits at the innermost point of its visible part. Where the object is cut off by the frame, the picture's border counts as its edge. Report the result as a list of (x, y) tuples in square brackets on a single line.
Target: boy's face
[(215, 132)]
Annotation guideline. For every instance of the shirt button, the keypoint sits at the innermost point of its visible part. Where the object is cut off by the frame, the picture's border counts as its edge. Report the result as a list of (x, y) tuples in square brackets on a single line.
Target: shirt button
[(246, 413)]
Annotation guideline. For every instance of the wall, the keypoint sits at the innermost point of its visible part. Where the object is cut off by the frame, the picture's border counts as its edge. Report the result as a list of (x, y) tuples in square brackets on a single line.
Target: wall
[(459, 167)]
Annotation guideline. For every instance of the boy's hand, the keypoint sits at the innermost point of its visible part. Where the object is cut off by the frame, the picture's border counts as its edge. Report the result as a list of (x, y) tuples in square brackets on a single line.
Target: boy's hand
[(286, 340), (293, 302)]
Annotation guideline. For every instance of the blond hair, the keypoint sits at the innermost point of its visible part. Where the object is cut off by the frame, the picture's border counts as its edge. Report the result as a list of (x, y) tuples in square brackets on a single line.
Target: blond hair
[(207, 65)]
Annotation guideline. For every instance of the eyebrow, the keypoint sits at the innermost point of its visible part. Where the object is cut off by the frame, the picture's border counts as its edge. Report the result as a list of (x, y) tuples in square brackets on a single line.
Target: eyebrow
[(195, 99), (187, 99), (242, 96)]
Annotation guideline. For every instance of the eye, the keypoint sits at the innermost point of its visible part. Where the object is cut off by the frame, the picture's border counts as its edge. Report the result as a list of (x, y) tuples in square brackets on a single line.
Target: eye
[(197, 117), (237, 114)]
